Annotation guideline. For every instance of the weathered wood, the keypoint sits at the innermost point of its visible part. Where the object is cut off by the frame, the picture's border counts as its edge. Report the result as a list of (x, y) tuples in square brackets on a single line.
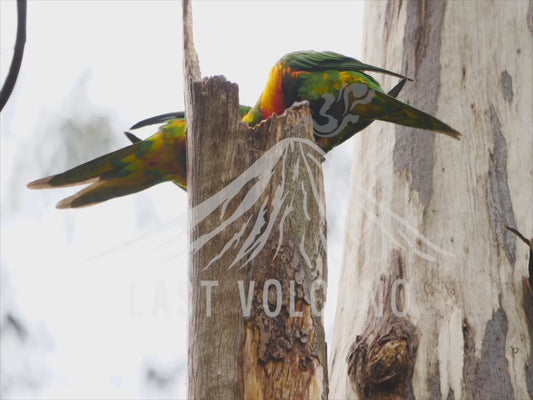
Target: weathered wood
[(257, 230), (441, 205), (381, 360), (252, 191), (191, 65)]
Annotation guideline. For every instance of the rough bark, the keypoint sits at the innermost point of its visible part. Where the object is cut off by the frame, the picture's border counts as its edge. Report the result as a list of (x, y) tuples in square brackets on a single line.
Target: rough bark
[(270, 345), (191, 65), (440, 207), (257, 248), (382, 358)]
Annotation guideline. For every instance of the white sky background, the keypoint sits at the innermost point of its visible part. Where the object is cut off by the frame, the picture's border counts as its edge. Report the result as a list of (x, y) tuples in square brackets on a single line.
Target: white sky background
[(102, 290)]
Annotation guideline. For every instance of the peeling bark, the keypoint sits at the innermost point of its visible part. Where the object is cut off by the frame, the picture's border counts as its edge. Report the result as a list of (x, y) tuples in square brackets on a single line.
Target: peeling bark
[(527, 304), (284, 356), (257, 232), (381, 360), (442, 204), (499, 197), (506, 82), (413, 151), (271, 345), (488, 376)]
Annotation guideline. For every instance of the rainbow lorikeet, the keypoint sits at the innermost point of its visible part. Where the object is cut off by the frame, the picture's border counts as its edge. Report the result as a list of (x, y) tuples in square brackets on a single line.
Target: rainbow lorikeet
[(343, 101)]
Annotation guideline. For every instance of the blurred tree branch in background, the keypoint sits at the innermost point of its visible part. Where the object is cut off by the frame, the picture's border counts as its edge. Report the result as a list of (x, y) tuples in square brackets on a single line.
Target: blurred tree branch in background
[(16, 62)]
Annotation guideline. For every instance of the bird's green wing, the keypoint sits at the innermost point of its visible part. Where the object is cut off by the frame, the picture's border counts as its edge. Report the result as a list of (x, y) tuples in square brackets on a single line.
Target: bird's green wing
[(159, 158), (159, 119), (328, 60)]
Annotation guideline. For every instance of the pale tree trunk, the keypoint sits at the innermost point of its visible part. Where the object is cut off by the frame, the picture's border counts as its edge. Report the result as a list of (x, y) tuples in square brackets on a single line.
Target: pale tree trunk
[(257, 248), (434, 302)]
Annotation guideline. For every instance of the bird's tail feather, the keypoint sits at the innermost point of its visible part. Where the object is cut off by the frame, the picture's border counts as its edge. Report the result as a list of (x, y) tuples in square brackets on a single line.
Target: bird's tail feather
[(88, 171), (386, 108), (111, 175), (102, 190)]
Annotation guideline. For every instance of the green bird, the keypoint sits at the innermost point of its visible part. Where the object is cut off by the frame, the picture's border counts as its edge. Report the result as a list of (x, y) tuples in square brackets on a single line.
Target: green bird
[(342, 97), (159, 158)]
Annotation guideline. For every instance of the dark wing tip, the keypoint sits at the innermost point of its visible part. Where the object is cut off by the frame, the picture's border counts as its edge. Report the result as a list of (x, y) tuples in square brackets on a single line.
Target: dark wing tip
[(158, 119), (454, 134), (395, 91), (451, 133), (132, 138), (74, 201)]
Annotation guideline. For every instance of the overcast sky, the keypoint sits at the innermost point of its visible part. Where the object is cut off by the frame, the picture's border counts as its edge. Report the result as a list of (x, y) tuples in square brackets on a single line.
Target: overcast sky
[(102, 290)]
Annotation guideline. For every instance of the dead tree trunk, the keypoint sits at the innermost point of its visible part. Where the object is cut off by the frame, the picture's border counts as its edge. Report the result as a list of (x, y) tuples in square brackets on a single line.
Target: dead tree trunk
[(434, 302), (257, 251)]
